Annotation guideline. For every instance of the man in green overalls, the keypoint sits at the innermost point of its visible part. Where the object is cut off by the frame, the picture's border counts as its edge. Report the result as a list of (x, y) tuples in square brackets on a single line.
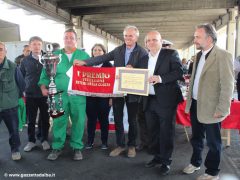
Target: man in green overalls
[(74, 106)]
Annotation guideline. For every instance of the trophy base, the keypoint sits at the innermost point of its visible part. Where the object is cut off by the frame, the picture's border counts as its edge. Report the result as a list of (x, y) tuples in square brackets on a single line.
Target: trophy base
[(58, 114), (55, 93)]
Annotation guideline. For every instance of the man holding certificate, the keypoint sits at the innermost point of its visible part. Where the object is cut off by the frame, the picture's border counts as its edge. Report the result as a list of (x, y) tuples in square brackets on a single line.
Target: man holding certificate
[(125, 55), (160, 106)]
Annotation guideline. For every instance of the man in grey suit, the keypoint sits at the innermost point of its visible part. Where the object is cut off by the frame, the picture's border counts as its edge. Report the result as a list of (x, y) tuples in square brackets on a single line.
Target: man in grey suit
[(209, 100), (126, 55)]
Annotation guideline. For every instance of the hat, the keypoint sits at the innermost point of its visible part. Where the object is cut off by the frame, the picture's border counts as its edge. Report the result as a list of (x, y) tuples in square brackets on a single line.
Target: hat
[(166, 42)]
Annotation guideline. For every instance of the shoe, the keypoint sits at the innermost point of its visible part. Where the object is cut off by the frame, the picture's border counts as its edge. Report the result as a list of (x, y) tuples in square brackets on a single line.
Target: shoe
[(131, 152), (16, 156), (29, 146), (208, 177), (45, 145), (164, 169), (190, 169), (117, 151), (54, 154), (77, 155), (104, 146), (141, 147), (89, 146), (152, 163)]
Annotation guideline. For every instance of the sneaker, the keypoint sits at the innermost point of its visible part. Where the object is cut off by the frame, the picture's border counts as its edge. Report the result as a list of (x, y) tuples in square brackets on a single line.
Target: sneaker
[(208, 177), (16, 156), (117, 151), (164, 169), (154, 162), (54, 154), (29, 146), (190, 169), (104, 146), (45, 145), (131, 152), (89, 146), (77, 155)]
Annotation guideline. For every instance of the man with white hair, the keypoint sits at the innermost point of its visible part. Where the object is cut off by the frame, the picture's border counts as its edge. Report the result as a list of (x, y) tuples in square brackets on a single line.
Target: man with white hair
[(126, 55)]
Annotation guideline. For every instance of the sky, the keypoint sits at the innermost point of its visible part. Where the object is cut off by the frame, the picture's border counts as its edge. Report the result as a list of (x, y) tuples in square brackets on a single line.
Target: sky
[(32, 25)]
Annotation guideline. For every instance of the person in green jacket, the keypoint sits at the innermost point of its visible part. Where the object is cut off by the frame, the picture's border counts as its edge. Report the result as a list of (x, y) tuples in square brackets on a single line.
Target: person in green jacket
[(9, 94), (21, 113), (21, 104), (74, 106)]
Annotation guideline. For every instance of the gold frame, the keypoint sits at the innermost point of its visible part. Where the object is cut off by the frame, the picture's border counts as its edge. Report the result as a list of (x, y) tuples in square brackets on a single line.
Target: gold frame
[(133, 81)]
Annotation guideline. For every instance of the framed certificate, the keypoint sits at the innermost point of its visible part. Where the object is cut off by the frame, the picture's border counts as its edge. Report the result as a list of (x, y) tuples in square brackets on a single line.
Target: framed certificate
[(133, 81)]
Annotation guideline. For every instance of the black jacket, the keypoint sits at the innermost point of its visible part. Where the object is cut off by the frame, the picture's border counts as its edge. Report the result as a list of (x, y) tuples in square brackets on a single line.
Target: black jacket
[(169, 67), (31, 70), (118, 57)]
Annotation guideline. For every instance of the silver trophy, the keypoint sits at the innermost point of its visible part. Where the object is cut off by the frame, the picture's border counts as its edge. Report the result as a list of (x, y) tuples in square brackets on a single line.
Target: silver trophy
[(50, 62)]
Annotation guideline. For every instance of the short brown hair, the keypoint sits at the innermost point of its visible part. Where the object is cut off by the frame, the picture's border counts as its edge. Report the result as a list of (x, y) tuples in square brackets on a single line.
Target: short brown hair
[(35, 38), (210, 31), (73, 31), (101, 46)]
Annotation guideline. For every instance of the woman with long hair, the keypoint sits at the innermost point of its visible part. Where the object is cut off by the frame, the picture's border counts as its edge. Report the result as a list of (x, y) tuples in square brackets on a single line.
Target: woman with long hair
[(98, 108)]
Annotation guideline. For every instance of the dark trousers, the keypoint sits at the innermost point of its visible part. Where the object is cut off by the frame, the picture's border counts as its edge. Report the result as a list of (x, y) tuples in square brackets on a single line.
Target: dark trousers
[(143, 132), (97, 109), (161, 130), (10, 118), (32, 105), (118, 105), (214, 142), (238, 89)]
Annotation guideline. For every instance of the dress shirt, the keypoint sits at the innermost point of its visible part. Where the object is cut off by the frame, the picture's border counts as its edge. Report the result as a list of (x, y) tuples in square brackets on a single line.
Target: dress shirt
[(152, 61), (198, 73), (128, 53)]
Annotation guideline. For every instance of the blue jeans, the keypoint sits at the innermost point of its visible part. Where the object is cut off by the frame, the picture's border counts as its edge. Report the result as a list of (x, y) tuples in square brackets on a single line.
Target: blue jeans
[(214, 142), (10, 118)]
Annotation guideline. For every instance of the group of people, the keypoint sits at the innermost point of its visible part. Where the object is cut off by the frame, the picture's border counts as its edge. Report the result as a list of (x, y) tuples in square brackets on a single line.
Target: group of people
[(208, 101)]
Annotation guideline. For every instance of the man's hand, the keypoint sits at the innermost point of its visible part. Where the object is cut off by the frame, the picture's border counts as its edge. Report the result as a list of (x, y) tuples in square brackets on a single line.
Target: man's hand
[(155, 79), (44, 90), (79, 62), (129, 66)]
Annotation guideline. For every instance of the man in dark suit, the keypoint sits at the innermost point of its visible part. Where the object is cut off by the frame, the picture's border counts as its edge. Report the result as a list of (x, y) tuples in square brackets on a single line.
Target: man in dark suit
[(126, 55), (160, 106)]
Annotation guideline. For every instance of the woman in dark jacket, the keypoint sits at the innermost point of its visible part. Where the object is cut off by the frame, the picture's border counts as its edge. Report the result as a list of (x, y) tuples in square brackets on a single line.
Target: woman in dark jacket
[(98, 108)]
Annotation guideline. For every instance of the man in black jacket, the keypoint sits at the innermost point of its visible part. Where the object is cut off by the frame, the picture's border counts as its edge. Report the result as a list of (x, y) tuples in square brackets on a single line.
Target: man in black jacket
[(26, 52), (31, 69), (126, 55), (160, 106)]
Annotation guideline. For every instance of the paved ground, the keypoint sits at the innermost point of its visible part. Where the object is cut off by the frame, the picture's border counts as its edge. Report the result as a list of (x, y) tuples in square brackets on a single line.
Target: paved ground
[(98, 165)]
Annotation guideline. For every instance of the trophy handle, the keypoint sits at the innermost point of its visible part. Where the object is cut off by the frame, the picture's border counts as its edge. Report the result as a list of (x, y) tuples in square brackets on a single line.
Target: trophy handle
[(60, 58), (41, 60), (49, 47)]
